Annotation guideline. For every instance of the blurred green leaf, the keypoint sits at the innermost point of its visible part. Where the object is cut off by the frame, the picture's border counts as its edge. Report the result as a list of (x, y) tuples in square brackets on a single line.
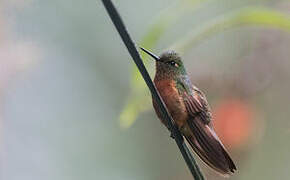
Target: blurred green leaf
[(242, 17), (139, 99)]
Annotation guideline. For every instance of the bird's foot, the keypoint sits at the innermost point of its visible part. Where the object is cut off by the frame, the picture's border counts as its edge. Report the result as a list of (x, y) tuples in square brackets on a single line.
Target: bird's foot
[(172, 135)]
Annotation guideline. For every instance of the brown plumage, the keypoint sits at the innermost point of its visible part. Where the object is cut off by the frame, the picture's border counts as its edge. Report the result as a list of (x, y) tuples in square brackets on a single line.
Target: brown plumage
[(190, 110)]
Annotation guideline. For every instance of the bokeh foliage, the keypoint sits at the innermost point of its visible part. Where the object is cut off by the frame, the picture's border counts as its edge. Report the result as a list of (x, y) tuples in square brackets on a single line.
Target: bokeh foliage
[(139, 98)]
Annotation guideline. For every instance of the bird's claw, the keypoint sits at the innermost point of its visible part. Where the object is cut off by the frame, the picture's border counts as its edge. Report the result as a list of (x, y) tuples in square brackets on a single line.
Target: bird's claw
[(172, 135)]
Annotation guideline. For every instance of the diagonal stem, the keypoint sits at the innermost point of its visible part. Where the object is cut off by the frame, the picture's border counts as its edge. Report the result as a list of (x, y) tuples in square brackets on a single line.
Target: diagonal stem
[(119, 25)]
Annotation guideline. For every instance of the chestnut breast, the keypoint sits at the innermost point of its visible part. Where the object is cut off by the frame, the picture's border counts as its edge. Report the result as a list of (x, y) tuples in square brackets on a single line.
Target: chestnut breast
[(173, 101)]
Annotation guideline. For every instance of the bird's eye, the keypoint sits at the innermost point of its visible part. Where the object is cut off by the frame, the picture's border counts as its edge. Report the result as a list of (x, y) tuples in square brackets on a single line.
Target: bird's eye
[(172, 63)]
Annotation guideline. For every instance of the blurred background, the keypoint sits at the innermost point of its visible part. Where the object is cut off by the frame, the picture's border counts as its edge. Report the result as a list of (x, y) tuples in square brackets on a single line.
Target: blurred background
[(73, 106)]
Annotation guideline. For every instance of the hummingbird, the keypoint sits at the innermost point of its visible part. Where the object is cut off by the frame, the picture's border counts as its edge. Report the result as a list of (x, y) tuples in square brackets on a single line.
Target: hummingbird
[(190, 111)]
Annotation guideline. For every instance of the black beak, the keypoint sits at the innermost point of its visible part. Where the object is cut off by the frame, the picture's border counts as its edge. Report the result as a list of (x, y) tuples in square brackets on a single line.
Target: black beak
[(151, 54)]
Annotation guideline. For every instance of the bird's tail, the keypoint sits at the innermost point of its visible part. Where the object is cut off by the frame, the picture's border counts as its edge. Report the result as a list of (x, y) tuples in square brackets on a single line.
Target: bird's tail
[(208, 147)]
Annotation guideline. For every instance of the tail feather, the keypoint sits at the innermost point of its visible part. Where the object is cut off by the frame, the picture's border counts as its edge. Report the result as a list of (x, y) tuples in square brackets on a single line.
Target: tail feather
[(208, 147)]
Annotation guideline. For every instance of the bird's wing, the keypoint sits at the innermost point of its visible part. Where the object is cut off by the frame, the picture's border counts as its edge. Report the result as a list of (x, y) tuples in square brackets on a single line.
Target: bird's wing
[(201, 135), (197, 105)]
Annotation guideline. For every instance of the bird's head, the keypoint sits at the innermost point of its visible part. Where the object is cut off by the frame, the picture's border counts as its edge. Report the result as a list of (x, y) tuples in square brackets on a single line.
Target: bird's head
[(168, 64)]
